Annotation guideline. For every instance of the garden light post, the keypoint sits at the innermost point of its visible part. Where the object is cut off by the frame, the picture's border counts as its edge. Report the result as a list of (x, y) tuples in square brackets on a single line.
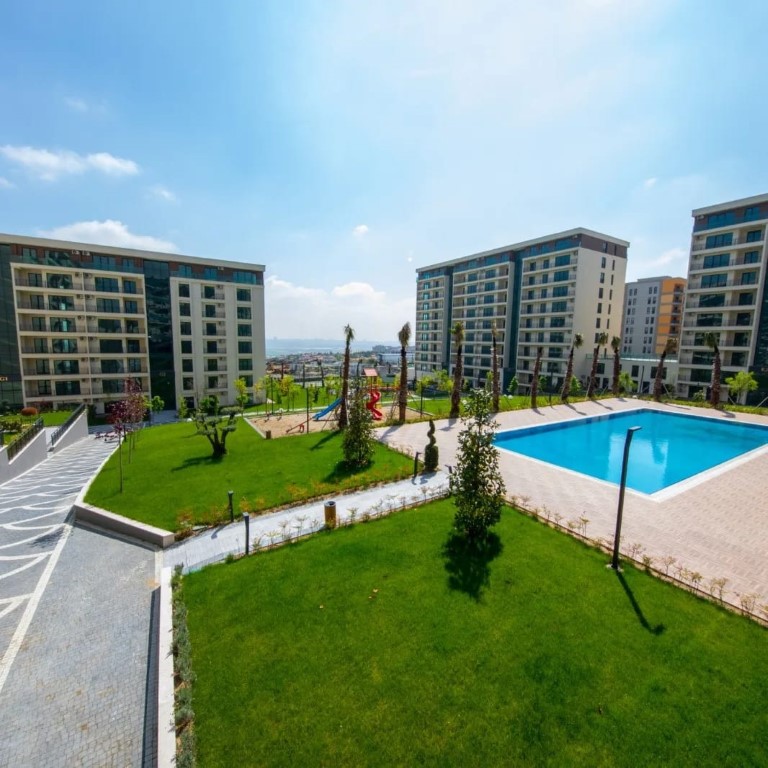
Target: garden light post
[(247, 519), (231, 510), (617, 536), (416, 464)]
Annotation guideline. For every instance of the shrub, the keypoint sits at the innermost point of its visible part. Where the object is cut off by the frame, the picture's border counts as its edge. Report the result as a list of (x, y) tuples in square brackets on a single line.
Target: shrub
[(29, 411), (431, 453)]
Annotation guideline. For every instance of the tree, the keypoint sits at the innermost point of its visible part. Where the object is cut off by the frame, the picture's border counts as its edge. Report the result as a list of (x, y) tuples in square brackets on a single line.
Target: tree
[(712, 341), (431, 453), (602, 340), (495, 364), (242, 394), (741, 384), (183, 411), (322, 374), (578, 340), (616, 347), (669, 348), (443, 380), (626, 382), (285, 387), (357, 443), (403, 336), (535, 377), (154, 404), (576, 387), (349, 336), (476, 483), (215, 424), (458, 370), (513, 386)]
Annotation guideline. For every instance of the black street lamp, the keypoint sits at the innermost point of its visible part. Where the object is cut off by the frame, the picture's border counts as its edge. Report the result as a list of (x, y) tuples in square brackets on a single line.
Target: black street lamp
[(627, 442)]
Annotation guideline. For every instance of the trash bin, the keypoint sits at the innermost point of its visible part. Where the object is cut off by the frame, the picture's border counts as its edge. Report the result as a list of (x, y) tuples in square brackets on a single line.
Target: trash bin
[(330, 514)]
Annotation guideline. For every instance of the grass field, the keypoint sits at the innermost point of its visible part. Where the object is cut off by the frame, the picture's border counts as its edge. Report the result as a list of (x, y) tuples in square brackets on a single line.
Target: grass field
[(374, 645), (172, 472), (440, 407)]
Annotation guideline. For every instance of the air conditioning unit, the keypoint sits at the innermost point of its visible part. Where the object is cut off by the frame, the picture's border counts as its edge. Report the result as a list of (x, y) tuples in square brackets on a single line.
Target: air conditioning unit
[(87, 274), (86, 253), (81, 317), (82, 338)]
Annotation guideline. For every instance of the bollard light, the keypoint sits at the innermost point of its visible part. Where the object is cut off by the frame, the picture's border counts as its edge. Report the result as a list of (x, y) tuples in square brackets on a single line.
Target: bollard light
[(627, 442), (247, 519), (416, 464), (231, 508)]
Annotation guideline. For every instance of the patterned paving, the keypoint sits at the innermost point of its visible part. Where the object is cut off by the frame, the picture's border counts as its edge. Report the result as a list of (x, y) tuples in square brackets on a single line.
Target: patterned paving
[(716, 526)]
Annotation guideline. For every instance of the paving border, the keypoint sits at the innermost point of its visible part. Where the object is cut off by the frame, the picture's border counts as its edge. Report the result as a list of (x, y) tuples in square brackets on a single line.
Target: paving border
[(166, 729), (96, 517)]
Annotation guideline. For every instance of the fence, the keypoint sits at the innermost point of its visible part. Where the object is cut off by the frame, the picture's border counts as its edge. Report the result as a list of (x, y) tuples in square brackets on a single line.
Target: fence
[(24, 438)]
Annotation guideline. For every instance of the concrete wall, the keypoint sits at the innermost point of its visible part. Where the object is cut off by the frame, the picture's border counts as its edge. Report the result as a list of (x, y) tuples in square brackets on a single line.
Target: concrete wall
[(30, 456), (76, 431)]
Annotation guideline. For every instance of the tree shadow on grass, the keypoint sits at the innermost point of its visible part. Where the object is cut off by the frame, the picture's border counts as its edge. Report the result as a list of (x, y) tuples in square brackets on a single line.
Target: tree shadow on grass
[(468, 563), (659, 628), (197, 461), (322, 441), (342, 471)]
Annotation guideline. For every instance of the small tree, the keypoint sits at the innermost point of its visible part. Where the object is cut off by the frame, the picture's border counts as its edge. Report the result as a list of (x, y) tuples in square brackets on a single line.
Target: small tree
[(576, 387), (476, 483), (357, 443), (616, 347), (431, 454), (458, 371), (741, 384), (242, 397), (215, 424), (626, 382), (513, 386), (578, 340), (349, 336), (403, 336), (183, 411), (443, 380)]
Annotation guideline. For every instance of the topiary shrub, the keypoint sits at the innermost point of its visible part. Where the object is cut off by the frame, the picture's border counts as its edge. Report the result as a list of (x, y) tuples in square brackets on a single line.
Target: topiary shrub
[(431, 451), (29, 411)]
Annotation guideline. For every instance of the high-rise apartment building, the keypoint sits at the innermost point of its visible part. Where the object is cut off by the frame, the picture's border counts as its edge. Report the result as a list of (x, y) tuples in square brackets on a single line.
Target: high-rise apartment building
[(537, 293), (653, 313), (726, 294), (77, 320)]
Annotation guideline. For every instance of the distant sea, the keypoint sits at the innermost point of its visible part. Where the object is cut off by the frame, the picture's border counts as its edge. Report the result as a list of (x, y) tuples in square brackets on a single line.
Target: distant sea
[(280, 347)]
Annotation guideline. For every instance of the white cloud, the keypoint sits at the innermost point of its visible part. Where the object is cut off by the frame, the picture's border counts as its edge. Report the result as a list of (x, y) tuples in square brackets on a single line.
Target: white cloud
[(648, 183), (361, 230), (159, 192), (108, 232), (51, 164), (76, 105), (5, 184), (296, 311)]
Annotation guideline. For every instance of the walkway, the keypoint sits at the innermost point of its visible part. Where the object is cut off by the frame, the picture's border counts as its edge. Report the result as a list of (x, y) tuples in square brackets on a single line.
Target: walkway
[(717, 526), (215, 544), (75, 615)]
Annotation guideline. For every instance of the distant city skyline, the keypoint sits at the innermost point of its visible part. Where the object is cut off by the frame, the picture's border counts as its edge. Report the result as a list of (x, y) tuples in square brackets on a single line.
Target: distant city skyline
[(344, 145)]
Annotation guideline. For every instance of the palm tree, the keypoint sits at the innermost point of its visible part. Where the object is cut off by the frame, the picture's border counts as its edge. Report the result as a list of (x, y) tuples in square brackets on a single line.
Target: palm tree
[(349, 335), (711, 340), (578, 340), (495, 363), (535, 379), (458, 370), (403, 336), (616, 346), (669, 349), (322, 373), (602, 340)]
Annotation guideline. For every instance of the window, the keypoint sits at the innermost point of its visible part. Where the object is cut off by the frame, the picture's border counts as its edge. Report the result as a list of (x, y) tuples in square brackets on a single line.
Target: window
[(110, 346), (560, 276), (213, 382), (43, 387), (133, 347), (599, 308), (748, 278), (244, 294), (720, 219), (211, 347), (111, 366), (67, 388), (188, 383), (557, 322), (107, 305), (184, 290), (107, 284), (708, 320), (244, 329), (184, 270), (751, 257), (186, 347), (185, 329), (597, 322), (103, 262), (254, 278), (131, 307), (719, 241), (131, 326), (210, 329), (750, 214), (602, 263), (743, 318), (108, 326), (210, 310), (712, 300), (245, 364), (134, 365), (187, 365), (754, 236), (185, 309), (209, 292), (246, 347), (41, 345), (716, 260), (60, 304), (210, 273), (559, 290), (746, 299), (602, 277), (559, 306), (243, 313), (563, 261), (714, 281)]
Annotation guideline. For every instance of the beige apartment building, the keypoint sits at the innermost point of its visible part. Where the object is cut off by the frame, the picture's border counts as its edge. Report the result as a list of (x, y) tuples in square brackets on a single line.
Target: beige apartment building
[(653, 313), (78, 320), (537, 293)]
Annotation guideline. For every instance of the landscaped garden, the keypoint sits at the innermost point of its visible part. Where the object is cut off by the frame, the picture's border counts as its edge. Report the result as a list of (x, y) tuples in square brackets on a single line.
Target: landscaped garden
[(378, 645), (173, 481)]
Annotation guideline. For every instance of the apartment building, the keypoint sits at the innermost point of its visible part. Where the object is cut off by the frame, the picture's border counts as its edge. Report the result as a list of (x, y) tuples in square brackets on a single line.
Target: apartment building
[(537, 293), (77, 320), (726, 294), (653, 313)]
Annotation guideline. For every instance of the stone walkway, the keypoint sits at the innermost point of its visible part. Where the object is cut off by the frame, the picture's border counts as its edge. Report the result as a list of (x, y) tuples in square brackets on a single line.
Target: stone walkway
[(76, 610), (716, 525)]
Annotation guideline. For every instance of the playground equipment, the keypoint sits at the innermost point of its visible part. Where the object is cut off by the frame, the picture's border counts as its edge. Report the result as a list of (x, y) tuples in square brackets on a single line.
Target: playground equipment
[(373, 375), (332, 407)]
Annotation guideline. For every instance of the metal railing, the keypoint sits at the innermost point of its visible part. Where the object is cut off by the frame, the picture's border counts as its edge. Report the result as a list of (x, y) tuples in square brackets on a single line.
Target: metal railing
[(71, 419), (24, 438)]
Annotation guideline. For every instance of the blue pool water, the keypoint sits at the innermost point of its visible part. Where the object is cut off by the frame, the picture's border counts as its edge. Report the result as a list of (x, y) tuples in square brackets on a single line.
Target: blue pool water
[(669, 448)]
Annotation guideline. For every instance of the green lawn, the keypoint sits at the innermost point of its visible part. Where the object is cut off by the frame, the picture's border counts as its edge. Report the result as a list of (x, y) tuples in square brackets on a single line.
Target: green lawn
[(368, 646), (55, 418), (172, 472), (440, 407)]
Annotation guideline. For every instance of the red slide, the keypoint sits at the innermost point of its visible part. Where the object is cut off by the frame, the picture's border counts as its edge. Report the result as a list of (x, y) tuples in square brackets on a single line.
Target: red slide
[(376, 414)]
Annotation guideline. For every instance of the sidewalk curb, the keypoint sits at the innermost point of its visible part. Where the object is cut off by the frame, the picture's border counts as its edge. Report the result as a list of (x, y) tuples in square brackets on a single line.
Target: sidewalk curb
[(166, 730)]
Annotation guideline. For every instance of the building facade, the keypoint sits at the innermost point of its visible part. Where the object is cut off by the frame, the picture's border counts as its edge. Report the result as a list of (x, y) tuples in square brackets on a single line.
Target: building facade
[(537, 293), (77, 320), (726, 294), (653, 313)]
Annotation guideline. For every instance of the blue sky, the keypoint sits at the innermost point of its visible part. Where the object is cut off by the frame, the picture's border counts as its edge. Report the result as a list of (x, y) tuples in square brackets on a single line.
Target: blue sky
[(343, 144)]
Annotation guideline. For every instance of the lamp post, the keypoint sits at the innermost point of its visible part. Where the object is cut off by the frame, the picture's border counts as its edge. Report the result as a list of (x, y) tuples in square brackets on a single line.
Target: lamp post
[(247, 519), (617, 536), (231, 508)]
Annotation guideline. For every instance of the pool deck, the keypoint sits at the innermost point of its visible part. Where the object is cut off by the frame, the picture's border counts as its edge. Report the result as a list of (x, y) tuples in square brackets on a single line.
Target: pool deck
[(715, 524)]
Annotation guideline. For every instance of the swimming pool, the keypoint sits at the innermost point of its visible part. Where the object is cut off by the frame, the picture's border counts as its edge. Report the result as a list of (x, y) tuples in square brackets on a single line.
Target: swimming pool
[(669, 448)]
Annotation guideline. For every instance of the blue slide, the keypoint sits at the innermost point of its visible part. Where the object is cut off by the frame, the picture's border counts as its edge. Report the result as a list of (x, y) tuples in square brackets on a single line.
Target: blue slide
[(326, 411)]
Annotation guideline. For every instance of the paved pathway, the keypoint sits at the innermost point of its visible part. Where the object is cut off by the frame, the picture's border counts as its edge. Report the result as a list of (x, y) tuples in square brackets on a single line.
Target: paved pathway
[(75, 616), (215, 544), (716, 525)]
